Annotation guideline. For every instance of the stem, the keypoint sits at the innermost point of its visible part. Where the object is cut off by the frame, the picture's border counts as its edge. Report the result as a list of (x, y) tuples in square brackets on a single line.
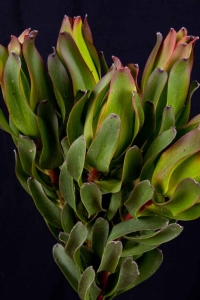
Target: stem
[(54, 175), (104, 281), (93, 175)]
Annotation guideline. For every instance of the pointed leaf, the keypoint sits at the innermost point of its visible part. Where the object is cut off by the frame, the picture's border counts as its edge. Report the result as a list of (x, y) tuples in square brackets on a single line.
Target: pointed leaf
[(47, 208), (21, 114), (66, 265), (104, 66), (4, 124), (110, 257), (22, 176), (104, 145), (82, 77), (168, 119)]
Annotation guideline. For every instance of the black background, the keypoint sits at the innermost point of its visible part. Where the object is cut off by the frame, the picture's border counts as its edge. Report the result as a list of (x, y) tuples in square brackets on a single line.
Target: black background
[(125, 29)]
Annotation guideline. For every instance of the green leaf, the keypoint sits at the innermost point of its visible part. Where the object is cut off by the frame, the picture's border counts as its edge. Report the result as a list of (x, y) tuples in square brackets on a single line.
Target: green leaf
[(132, 225), (75, 124), (99, 233), (66, 264), (114, 205), (119, 102), (105, 143), (68, 218), (183, 116), (4, 124), (178, 84), (103, 63), (3, 59), (166, 234), (150, 62), (155, 85), (158, 145), (21, 114), (132, 164), (22, 176), (188, 168), (94, 291), (110, 257), (184, 147), (186, 195), (141, 194), (47, 208), (85, 283), (76, 158), (82, 46), (51, 156), (139, 114), (168, 119), (65, 146), (148, 265), (191, 213), (67, 186), (76, 239), (128, 273), (81, 75), (41, 87), (61, 84), (109, 185), (131, 248), (91, 198)]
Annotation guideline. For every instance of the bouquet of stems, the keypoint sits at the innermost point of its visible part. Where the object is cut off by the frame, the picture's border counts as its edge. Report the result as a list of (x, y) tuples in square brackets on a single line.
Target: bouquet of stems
[(111, 164)]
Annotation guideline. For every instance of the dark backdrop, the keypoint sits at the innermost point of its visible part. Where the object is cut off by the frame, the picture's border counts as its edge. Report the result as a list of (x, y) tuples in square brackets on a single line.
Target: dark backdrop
[(126, 29)]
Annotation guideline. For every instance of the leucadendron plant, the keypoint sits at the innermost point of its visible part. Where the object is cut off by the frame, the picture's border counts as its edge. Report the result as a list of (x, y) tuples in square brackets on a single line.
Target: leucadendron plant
[(110, 165)]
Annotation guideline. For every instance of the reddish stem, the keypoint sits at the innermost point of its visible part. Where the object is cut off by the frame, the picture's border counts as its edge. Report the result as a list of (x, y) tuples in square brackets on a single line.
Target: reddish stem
[(93, 175), (54, 175), (104, 281)]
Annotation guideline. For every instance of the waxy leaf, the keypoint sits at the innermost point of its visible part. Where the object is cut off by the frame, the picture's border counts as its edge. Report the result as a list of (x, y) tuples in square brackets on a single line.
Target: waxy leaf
[(67, 266), (22, 176), (4, 124), (148, 265), (61, 84), (3, 59), (82, 46), (127, 274), (154, 86), (66, 186), (164, 235), (109, 185), (41, 87), (45, 206), (110, 257), (20, 112), (91, 198), (81, 75), (188, 168), (132, 164), (105, 143), (51, 156), (114, 205), (103, 63), (133, 225), (168, 119), (190, 214), (14, 45), (140, 195), (76, 158), (184, 147), (158, 145), (75, 124), (119, 101), (186, 195), (132, 248), (99, 233), (76, 239), (68, 218), (139, 114), (178, 84), (85, 283), (151, 60)]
